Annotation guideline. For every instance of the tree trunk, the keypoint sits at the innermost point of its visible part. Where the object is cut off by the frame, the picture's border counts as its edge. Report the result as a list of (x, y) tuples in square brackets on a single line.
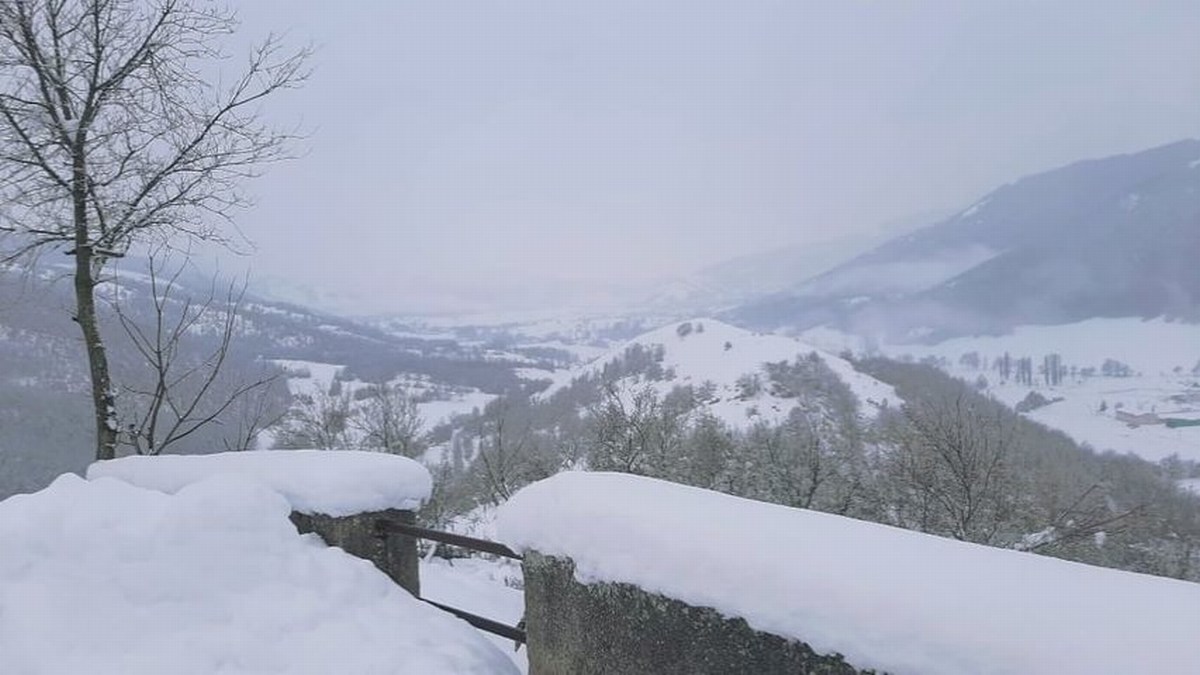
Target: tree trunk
[(103, 399)]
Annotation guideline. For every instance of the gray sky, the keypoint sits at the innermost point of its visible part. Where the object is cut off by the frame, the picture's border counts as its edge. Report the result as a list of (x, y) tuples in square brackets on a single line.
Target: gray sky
[(481, 153)]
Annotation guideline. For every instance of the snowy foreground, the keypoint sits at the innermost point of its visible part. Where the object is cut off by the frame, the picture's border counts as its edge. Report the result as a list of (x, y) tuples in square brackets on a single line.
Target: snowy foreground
[(886, 598), (102, 576)]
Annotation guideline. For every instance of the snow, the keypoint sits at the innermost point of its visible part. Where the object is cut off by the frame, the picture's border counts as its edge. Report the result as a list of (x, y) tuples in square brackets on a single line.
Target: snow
[(1150, 346), (434, 413), (1079, 414), (886, 598), (482, 587), (308, 377), (105, 577), (334, 483), (702, 356), (1161, 353), (974, 208), (312, 378)]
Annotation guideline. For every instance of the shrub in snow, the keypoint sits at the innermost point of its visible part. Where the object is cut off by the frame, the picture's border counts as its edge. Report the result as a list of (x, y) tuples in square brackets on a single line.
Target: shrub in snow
[(1032, 401), (1115, 368)]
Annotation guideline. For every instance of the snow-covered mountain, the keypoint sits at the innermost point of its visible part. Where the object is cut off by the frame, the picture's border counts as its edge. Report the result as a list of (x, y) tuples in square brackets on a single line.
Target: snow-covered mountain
[(1112, 237)]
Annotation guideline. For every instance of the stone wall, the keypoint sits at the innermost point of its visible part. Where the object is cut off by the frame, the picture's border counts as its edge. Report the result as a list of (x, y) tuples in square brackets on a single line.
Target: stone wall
[(394, 554), (616, 629)]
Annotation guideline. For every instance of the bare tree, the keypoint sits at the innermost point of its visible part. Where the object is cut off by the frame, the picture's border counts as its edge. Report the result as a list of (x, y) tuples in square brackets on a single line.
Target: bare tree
[(321, 420), (253, 416), (504, 442), (633, 432), (952, 459), (389, 421), (186, 392), (111, 133)]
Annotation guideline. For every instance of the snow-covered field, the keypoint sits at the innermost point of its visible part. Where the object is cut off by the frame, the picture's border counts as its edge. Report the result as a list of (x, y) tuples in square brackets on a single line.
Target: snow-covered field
[(311, 378), (895, 600), (710, 351), (308, 378), (1089, 409), (434, 413), (1161, 355), (106, 577)]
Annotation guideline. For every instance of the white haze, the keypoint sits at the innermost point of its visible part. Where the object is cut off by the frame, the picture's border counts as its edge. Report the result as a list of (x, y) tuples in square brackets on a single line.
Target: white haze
[(479, 155)]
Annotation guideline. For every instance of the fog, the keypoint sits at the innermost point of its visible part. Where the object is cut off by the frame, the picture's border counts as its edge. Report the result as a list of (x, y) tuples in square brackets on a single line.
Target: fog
[(481, 155)]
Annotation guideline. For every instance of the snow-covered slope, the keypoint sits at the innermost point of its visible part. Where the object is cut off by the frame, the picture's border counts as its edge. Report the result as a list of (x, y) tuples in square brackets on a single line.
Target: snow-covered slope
[(709, 351), (890, 599)]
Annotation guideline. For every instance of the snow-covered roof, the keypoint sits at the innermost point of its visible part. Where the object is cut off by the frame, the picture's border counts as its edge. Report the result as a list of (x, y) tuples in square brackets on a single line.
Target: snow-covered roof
[(889, 599), (335, 483), (104, 577)]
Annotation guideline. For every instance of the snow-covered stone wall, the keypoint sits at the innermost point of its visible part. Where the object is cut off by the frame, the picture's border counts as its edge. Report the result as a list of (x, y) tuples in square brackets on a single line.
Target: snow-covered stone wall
[(337, 495), (106, 578), (884, 598)]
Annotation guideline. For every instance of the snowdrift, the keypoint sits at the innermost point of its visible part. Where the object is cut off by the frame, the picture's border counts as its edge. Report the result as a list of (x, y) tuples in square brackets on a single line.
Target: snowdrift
[(103, 577), (340, 483)]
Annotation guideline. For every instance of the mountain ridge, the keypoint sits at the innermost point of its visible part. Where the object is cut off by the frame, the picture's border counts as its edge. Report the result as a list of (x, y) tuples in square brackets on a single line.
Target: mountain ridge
[(1108, 237)]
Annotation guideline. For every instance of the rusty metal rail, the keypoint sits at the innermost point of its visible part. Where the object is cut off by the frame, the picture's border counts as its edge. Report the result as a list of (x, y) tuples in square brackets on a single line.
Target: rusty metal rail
[(384, 528), (482, 545), (483, 623)]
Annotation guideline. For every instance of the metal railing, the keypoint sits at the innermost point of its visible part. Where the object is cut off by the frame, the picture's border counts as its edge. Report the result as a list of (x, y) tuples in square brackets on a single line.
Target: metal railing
[(384, 528)]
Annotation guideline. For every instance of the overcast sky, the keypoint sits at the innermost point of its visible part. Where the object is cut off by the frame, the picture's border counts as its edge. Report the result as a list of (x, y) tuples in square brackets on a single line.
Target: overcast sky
[(467, 154)]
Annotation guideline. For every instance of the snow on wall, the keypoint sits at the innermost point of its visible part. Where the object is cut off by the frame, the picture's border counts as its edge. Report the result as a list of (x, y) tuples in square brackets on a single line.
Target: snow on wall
[(333, 483), (886, 598), (104, 577)]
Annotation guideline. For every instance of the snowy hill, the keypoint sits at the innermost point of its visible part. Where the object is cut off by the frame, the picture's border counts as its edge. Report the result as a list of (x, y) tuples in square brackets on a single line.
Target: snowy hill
[(1113, 237), (713, 355)]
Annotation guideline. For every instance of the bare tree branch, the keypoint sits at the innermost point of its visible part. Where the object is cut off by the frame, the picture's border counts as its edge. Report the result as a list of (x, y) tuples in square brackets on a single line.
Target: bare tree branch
[(187, 392)]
